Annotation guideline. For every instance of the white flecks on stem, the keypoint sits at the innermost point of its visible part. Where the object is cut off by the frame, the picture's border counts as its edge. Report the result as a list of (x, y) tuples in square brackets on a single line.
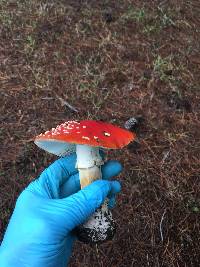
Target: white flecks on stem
[(99, 223)]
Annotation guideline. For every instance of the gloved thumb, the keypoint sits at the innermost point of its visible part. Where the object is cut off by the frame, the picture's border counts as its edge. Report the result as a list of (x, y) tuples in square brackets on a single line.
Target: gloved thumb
[(80, 206)]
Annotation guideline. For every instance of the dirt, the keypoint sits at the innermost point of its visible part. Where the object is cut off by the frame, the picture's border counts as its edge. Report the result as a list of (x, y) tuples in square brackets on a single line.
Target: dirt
[(110, 60)]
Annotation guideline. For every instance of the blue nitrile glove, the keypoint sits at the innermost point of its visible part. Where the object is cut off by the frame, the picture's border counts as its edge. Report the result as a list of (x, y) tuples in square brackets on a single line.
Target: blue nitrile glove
[(40, 230)]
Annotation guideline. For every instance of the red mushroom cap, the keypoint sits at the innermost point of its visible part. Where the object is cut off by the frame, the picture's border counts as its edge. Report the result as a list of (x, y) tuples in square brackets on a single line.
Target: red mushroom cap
[(86, 132)]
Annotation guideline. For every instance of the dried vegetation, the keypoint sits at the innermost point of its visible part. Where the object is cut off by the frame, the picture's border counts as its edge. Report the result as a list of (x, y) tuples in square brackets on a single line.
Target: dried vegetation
[(110, 60)]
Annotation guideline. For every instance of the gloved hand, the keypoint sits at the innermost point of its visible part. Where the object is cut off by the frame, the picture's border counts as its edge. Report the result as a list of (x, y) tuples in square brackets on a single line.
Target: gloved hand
[(40, 230)]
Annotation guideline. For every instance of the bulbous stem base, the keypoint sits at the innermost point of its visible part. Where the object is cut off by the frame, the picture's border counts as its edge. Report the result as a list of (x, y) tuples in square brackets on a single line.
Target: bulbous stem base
[(99, 228)]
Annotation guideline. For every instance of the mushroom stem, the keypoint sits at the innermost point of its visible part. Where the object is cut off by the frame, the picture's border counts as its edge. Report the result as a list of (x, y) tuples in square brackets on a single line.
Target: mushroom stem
[(100, 226), (88, 163)]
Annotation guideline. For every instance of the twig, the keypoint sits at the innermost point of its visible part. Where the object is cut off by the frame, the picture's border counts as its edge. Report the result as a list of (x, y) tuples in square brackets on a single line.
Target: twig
[(98, 256), (161, 221), (47, 98), (166, 155), (65, 103)]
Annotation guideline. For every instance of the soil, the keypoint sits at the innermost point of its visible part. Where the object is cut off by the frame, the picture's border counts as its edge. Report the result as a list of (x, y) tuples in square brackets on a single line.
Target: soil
[(110, 60)]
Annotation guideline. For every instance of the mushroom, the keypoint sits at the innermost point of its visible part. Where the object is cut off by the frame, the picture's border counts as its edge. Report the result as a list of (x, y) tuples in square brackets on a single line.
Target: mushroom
[(85, 138)]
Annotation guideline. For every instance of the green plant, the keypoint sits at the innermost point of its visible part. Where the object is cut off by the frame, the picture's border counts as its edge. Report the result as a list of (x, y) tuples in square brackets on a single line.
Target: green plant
[(163, 67), (133, 14), (6, 18), (149, 29), (30, 44), (165, 17)]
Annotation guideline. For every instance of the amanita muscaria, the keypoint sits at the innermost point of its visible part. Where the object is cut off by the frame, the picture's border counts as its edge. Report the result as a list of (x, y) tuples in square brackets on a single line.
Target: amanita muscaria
[(85, 138)]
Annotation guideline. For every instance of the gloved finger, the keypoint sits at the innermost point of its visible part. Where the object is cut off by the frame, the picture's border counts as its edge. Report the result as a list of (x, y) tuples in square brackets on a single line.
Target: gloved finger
[(111, 168), (116, 189), (72, 185), (112, 202), (49, 182), (81, 205), (112, 195)]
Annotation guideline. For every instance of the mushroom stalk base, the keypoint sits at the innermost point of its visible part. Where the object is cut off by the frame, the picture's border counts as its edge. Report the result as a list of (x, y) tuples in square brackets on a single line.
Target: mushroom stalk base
[(100, 226)]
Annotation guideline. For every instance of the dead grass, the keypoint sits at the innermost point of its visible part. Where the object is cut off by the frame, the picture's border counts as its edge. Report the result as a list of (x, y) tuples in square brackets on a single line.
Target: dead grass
[(110, 60)]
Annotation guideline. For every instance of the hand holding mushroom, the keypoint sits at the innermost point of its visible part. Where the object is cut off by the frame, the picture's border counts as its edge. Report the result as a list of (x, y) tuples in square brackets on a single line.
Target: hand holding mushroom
[(40, 232), (86, 137)]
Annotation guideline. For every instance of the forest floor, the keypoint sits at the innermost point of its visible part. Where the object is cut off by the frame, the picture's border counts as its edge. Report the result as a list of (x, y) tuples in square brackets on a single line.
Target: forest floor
[(110, 60)]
